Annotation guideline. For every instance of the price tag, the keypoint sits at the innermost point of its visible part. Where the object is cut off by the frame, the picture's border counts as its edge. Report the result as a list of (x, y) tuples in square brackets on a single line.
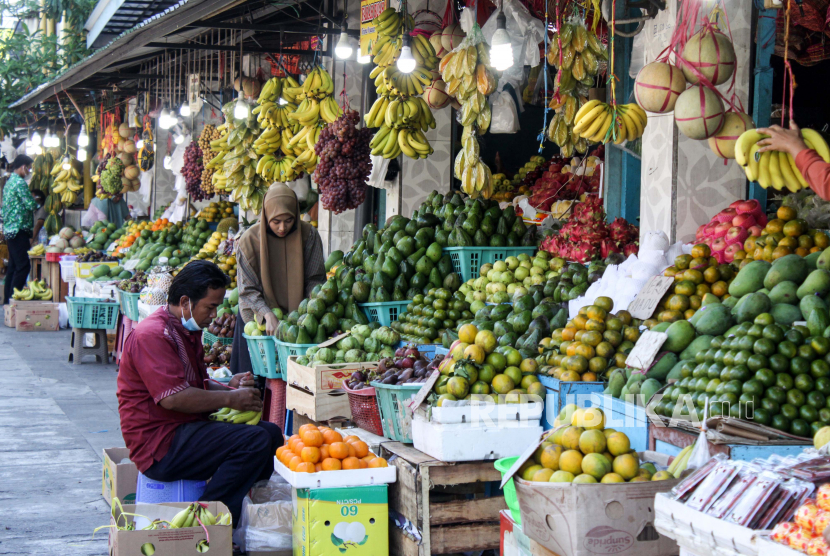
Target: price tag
[(112, 246), (647, 347), (646, 301), (131, 264), (424, 391)]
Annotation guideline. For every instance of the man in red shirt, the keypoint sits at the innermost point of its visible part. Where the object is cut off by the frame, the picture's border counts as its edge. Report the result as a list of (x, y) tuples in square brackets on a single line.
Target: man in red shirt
[(164, 405), (815, 170)]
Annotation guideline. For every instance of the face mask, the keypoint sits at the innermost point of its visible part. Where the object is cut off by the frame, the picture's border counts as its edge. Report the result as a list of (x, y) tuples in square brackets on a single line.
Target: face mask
[(190, 323)]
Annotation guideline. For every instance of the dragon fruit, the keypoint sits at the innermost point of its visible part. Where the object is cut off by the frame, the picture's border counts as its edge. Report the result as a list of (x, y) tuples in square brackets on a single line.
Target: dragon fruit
[(631, 249), (608, 246)]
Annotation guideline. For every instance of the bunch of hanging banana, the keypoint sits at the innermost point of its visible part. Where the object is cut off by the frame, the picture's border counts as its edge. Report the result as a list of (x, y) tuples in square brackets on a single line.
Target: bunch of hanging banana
[(776, 169), (278, 130), (228, 415), (317, 108), (67, 183), (390, 26), (581, 52), (476, 177), (402, 126), (560, 128), (40, 172), (600, 122), (239, 161)]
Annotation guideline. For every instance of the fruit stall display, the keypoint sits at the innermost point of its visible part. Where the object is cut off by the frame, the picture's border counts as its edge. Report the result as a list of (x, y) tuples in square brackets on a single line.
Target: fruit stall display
[(558, 179), (319, 448), (365, 343)]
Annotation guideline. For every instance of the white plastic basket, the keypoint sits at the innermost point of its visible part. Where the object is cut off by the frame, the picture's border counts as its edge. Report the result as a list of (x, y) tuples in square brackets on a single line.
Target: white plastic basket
[(68, 269)]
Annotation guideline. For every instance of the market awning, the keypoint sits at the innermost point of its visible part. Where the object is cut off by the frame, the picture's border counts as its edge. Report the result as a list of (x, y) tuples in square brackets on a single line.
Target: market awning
[(110, 18)]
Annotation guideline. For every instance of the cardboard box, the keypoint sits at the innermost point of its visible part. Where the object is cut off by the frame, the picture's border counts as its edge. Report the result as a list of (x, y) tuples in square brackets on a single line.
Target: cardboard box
[(588, 519), (353, 521), (512, 540), (8, 315), (35, 316), (168, 542), (118, 480), (316, 392)]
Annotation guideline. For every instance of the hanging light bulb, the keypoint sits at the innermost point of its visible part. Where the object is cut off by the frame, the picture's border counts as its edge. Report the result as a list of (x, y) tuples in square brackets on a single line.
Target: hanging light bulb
[(81, 155), (344, 46), (38, 150), (36, 139), (184, 111), (83, 138), (164, 119), (240, 111), (140, 144), (67, 165), (501, 53), (406, 63), (167, 162), (178, 139)]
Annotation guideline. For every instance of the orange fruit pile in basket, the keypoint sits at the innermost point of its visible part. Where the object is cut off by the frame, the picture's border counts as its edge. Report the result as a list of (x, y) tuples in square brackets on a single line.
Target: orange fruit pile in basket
[(323, 449)]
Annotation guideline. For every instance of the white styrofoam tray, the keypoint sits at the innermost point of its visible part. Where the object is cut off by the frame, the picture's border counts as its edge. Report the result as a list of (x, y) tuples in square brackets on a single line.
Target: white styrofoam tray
[(333, 479), (466, 442), (699, 533), (488, 414)]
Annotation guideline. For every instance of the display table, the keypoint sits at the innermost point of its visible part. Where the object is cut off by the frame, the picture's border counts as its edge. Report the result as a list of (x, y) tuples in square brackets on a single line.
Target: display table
[(454, 506), (52, 276), (36, 272), (670, 441)]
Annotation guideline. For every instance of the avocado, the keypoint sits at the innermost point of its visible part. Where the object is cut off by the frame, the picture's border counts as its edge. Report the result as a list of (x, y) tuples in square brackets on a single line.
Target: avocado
[(680, 335), (790, 268), (810, 304), (750, 306), (784, 292), (785, 314), (714, 319), (816, 283), (750, 279)]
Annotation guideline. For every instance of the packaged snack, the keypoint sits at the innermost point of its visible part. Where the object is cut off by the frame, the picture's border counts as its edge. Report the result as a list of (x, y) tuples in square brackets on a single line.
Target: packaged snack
[(755, 499), (800, 540), (784, 530), (821, 522), (806, 515), (814, 470), (818, 547), (747, 474), (823, 497), (793, 493), (715, 483), (687, 485)]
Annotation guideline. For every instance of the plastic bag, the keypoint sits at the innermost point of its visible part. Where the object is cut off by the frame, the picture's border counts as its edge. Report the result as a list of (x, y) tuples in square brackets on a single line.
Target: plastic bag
[(265, 522), (177, 162), (505, 117)]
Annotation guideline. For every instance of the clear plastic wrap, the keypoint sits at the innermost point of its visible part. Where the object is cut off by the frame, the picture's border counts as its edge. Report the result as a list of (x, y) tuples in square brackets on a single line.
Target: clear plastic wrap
[(715, 483), (265, 523)]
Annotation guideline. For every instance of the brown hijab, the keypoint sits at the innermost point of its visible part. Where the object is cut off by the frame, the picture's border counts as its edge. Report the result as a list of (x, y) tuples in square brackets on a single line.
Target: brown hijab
[(278, 261)]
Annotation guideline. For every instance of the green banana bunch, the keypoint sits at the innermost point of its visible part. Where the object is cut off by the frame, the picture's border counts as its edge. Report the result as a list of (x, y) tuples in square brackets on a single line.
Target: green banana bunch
[(227, 415)]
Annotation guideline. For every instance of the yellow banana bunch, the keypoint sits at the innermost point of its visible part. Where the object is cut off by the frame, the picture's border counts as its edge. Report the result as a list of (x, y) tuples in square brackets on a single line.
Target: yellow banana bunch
[(34, 290), (469, 79), (67, 183), (37, 250), (600, 122), (239, 161), (402, 125), (775, 168), (387, 48), (317, 108), (476, 177)]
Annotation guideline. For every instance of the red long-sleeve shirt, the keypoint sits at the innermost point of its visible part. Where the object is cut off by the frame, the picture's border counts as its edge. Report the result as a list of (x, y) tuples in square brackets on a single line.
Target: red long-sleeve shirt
[(815, 171)]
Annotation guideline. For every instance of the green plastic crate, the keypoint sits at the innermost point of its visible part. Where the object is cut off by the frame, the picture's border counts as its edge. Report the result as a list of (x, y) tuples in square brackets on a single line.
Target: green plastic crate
[(466, 261), (286, 350), (384, 312), (129, 304), (394, 413), (263, 353), (209, 339), (503, 465), (92, 312)]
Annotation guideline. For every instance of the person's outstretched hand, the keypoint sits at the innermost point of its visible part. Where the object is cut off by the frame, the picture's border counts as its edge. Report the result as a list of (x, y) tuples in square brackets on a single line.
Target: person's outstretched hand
[(780, 139)]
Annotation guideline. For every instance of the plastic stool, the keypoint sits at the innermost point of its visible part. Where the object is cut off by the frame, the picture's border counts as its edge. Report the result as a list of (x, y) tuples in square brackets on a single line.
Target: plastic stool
[(273, 409), (149, 491), (77, 350)]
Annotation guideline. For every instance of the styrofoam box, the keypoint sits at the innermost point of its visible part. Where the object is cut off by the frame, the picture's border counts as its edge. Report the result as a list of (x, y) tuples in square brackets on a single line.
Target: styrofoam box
[(466, 442), (488, 413), (698, 533), (334, 479)]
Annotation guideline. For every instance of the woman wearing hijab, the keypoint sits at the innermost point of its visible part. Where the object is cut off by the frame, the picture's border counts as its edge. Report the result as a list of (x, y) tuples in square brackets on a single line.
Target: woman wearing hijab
[(279, 261)]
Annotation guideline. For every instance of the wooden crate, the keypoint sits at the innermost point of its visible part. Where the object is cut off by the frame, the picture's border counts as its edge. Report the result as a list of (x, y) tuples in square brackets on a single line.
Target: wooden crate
[(316, 392), (455, 506)]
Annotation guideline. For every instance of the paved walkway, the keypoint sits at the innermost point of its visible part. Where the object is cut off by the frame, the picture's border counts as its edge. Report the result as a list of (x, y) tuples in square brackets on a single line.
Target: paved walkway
[(55, 419)]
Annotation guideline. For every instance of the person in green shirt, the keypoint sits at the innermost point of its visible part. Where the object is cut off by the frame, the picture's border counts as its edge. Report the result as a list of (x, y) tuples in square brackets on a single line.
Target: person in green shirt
[(18, 220), (114, 209)]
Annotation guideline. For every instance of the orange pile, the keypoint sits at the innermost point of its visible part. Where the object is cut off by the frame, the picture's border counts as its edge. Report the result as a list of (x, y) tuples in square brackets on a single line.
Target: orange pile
[(323, 449)]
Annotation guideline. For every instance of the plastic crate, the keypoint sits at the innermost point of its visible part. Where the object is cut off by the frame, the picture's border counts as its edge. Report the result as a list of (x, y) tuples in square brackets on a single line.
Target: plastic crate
[(364, 406), (503, 465), (149, 491), (384, 312), (394, 413), (286, 350), (92, 312), (53, 257), (68, 268), (427, 350), (263, 354), (129, 304), (209, 339), (466, 261)]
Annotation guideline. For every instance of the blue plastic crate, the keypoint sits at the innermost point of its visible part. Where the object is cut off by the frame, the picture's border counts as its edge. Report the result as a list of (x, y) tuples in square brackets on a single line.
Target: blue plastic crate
[(209, 339), (467, 261), (628, 418), (92, 312), (263, 351), (384, 312), (561, 393), (149, 491), (128, 302), (286, 350)]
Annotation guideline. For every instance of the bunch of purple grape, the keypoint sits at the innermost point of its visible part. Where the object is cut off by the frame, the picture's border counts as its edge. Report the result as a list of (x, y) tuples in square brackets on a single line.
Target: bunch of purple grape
[(192, 172), (344, 163)]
